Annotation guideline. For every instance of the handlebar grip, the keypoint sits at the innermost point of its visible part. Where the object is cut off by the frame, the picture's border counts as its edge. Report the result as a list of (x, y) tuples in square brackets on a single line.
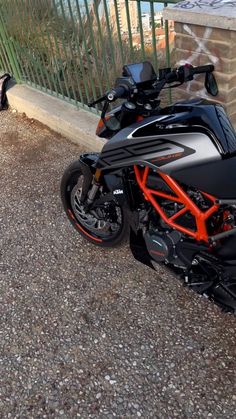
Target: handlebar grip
[(203, 69), (117, 92), (187, 71)]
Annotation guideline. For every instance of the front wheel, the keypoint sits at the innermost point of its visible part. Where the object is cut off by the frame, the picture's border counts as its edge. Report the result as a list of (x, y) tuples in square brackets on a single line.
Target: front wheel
[(105, 225)]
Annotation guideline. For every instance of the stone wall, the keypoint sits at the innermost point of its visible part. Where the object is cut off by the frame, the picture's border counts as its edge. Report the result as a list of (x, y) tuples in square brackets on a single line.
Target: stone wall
[(207, 36)]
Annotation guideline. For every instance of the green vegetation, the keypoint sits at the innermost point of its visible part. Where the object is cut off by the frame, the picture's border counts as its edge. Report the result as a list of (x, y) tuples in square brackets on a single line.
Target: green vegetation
[(75, 52)]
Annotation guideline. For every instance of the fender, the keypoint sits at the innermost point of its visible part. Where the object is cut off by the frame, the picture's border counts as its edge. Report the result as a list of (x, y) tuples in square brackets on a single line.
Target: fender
[(87, 162), (117, 186), (115, 183)]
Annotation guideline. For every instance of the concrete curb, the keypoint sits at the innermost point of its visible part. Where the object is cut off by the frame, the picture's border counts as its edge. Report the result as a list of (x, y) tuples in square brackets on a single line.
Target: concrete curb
[(75, 124)]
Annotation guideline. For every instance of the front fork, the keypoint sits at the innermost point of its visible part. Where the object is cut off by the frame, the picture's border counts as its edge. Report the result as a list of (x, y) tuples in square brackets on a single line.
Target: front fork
[(95, 187), (94, 178), (91, 178)]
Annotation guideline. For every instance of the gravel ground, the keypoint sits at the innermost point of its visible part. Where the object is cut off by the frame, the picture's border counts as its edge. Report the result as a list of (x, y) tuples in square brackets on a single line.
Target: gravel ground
[(92, 333)]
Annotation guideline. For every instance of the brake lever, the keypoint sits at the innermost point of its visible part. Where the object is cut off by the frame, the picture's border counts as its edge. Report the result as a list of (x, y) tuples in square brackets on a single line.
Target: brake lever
[(99, 100)]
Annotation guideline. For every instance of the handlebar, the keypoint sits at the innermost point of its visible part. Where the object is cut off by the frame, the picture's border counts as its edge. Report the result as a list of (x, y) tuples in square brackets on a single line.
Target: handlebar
[(118, 92), (203, 69), (181, 75), (186, 72)]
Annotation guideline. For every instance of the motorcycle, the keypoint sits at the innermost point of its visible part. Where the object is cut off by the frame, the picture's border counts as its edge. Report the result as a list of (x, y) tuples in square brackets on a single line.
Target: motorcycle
[(165, 180)]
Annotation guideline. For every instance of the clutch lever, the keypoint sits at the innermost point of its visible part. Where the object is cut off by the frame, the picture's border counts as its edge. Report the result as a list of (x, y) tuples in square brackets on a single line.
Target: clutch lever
[(99, 100)]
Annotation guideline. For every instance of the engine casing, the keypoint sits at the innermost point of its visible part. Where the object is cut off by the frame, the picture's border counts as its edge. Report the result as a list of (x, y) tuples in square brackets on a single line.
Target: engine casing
[(162, 246)]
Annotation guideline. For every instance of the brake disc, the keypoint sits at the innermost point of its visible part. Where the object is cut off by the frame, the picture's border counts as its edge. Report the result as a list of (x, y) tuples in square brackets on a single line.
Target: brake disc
[(94, 220)]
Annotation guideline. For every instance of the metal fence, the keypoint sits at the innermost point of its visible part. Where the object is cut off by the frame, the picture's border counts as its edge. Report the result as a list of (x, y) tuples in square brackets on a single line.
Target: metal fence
[(74, 49)]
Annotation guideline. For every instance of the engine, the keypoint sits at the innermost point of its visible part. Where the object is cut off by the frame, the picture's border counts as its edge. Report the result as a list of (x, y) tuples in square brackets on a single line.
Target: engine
[(173, 247), (169, 245), (162, 246)]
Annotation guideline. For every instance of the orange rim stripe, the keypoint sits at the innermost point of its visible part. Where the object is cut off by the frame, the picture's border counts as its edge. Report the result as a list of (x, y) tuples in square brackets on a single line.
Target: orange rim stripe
[(81, 228)]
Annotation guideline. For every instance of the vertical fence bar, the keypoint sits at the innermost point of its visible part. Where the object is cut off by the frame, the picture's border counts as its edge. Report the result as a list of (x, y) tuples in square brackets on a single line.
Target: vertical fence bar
[(22, 50), (53, 58), (37, 65), (86, 49), (5, 60), (167, 50), (2, 65), (119, 32), (69, 58), (167, 40), (5, 15), (47, 74), (58, 46), (31, 55), (103, 50), (154, 41), (109, 33), (58, 52), (129, 28), (141, 29), (9, 48), (78, 51), (93, 46)]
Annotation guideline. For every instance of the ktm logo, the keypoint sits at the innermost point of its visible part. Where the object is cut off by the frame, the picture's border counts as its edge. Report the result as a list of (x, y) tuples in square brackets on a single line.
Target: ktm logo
[(118, 192)]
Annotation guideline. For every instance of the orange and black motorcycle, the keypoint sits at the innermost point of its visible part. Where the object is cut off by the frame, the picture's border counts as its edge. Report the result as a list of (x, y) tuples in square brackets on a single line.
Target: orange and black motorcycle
[(166, 178)]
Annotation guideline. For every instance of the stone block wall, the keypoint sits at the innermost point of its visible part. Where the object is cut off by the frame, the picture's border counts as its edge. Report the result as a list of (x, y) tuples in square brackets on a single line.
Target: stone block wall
[(207, 38)]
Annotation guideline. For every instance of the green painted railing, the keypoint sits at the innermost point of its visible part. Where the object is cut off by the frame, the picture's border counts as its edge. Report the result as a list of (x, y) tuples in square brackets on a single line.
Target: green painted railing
[(74, 49)]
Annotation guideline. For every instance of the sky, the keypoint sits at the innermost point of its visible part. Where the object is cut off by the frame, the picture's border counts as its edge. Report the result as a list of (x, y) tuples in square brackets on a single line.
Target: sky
[(146, 7)]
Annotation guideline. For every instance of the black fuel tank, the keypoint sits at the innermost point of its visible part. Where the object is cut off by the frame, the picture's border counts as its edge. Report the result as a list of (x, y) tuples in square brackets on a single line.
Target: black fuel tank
[(217, 178), (175, 138), (192, 141), (197, 114)]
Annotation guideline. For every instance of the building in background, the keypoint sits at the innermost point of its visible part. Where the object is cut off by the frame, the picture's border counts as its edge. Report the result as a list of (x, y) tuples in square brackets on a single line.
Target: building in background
[(146, 21), (158, 19), (122, 15)]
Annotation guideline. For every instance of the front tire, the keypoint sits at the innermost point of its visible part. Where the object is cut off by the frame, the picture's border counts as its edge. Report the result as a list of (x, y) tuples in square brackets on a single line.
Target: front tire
[(105, 226)]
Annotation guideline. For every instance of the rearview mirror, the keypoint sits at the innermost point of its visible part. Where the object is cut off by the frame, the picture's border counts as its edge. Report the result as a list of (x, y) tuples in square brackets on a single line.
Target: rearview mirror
[(211, 84)]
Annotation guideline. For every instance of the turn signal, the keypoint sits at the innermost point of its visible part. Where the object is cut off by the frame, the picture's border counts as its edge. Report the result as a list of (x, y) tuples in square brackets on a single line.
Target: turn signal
[(101, 125)]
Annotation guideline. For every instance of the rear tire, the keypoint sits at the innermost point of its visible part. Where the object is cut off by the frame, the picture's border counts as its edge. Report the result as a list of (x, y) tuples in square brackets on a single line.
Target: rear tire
[(93, 226)]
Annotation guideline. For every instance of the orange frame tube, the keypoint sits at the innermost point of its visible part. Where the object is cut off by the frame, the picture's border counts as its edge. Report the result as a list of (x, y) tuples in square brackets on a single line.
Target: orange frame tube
[(181, 197)]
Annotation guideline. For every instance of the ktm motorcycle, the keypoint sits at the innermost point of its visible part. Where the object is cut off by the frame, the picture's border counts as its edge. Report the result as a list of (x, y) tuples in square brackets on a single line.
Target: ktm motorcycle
[(166, 178)]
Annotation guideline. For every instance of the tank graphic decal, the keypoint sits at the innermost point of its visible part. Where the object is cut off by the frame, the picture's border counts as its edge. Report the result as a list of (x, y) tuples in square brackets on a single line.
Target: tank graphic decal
[(167, 151), (161, 118), (161, 151)]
